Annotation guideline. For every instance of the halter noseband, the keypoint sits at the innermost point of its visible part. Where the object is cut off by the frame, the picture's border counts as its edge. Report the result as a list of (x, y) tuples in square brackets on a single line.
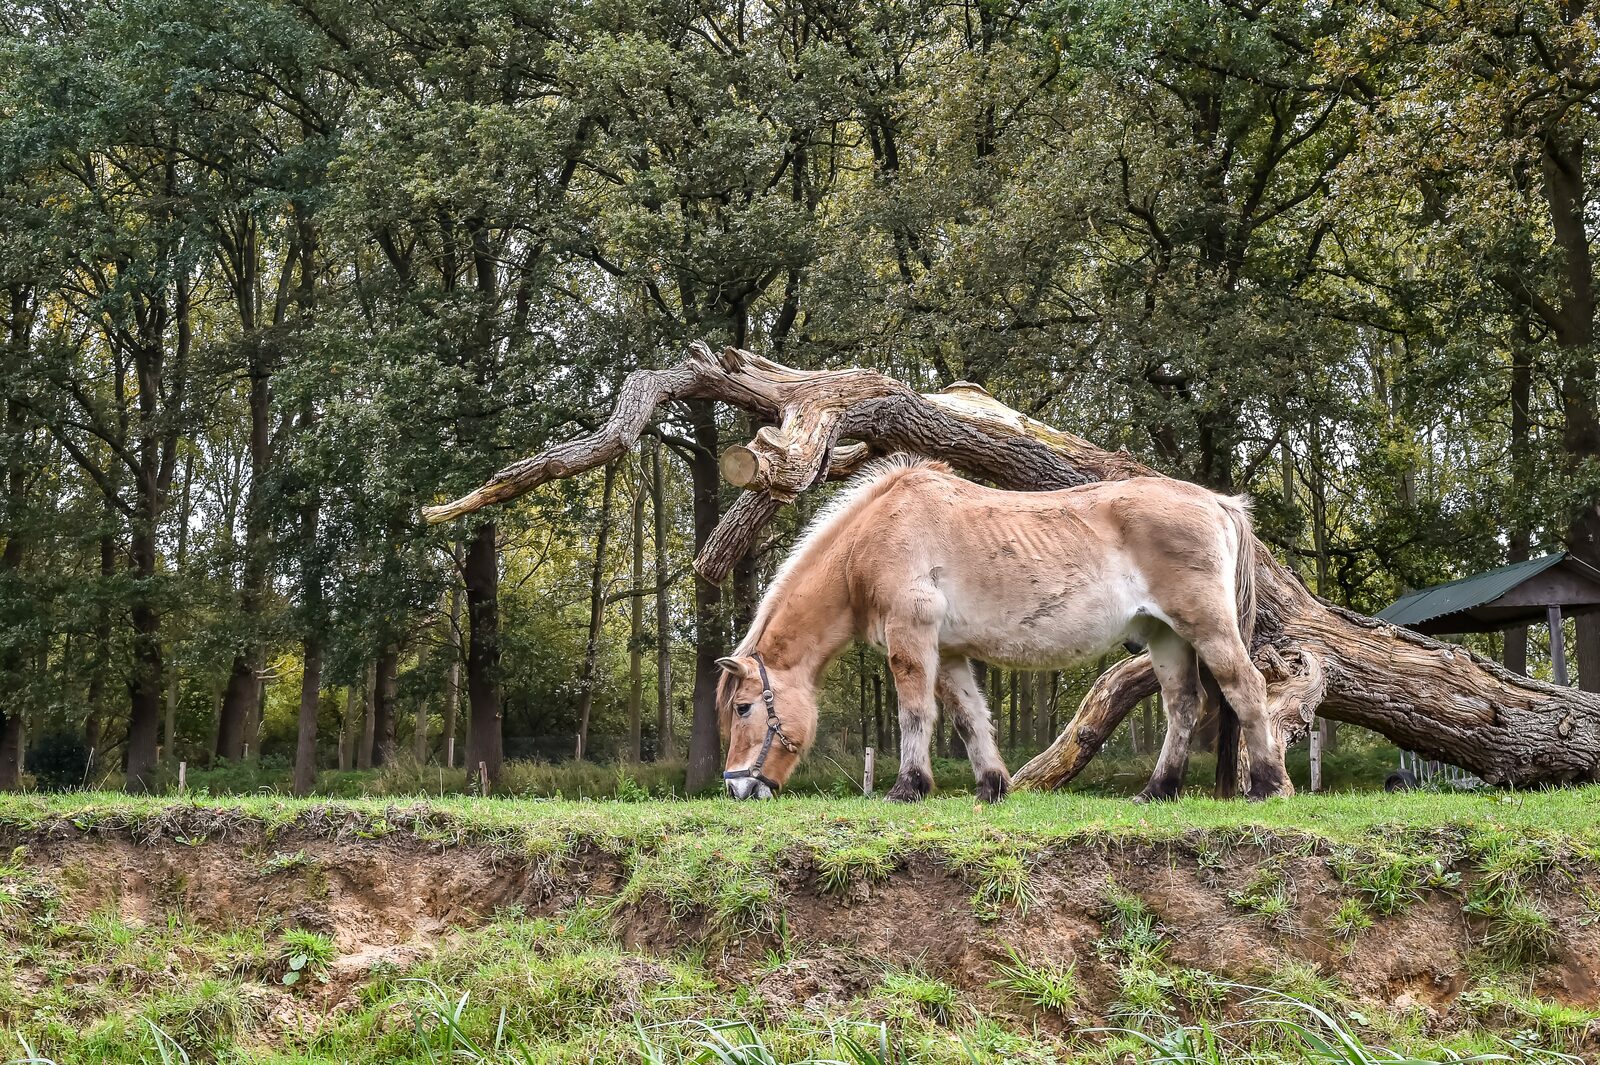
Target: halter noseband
[(774, 732)]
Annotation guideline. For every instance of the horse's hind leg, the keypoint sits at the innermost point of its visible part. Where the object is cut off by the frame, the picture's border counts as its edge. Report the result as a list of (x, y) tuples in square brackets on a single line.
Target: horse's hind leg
[(959, 695), (1224, 654), (1179, 673)]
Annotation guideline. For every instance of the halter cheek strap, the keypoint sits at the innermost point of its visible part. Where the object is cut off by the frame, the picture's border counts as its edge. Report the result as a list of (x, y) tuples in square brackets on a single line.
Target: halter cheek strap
[(774, 732)]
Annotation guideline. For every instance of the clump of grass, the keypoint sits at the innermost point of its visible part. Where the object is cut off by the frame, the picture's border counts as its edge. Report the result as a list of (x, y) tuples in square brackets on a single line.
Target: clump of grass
[(930, 998), (1516, 933), (1131, 929), (1050, 987), (305, 955), (1002, 885), (203, 1019), (1267, 896), (838, 869), (1388, 882), (1555, 1023), (1350, 919)]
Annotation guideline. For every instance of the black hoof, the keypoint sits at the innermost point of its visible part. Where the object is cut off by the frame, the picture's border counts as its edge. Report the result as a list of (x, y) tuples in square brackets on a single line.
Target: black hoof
[(1150, 795), (913, 785), (993, 786), (1267, 783)]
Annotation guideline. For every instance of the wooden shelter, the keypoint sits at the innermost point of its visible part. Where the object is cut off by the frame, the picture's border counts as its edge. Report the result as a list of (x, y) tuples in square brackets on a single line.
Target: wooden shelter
[(1523, 593)]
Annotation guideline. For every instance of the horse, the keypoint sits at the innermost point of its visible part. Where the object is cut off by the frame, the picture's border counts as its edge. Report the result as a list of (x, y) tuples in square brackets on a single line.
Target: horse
[(937, 570)]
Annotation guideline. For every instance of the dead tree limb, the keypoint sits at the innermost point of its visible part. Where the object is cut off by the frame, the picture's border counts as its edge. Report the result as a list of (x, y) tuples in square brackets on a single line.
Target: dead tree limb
[(1434, 698)]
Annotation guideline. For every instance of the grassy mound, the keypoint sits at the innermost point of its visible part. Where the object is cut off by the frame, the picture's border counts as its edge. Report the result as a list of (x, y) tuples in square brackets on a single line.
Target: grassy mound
[(1059, 928)]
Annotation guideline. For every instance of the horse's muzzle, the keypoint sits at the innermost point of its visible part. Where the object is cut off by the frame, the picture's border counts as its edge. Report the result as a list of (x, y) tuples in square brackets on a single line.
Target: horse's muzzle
[(748, 788)]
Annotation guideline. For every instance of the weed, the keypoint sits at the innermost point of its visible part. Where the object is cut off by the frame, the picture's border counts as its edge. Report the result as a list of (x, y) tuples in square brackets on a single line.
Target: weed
[(305, 954)]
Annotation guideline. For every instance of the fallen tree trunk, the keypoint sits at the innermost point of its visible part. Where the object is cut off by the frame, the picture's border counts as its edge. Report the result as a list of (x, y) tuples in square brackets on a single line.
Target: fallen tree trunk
[(1427, 696)]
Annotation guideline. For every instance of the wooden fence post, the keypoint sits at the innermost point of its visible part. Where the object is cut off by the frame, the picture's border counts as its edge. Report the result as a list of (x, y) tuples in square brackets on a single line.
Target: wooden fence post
[(1314, 742), (183, 775), (483, 778), (866, 773)]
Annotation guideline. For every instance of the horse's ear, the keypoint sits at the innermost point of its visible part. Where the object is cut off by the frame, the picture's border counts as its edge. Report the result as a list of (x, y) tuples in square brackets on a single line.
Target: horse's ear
[(735, 666)]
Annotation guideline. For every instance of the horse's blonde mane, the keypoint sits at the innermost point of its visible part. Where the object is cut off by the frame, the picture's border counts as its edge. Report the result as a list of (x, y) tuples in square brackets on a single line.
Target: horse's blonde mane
[(873, 480)]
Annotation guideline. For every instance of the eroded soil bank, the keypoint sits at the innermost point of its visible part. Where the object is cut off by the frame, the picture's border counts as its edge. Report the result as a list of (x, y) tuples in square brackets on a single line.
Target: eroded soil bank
[(1440, 931)]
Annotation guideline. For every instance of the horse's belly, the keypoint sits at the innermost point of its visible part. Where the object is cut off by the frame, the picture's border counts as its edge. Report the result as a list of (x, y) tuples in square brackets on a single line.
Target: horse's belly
[(1052, 632)]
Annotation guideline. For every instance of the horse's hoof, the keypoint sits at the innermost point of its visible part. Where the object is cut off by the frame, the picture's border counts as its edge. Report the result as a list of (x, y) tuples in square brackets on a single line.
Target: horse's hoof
[(993, 786), (1149, 795), (912, 786)]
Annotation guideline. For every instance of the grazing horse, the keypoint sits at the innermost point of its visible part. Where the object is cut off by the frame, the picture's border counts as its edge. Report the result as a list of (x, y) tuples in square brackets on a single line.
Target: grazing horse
[(938, 570)]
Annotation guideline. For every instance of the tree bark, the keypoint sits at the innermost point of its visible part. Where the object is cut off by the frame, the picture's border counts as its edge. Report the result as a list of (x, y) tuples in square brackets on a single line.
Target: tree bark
[(1437, 699), (383, 700), (485, 742), (636, 628), (705, 744), (305, 750), (666, 743), (591, 649), (452, 677), (369, 712)]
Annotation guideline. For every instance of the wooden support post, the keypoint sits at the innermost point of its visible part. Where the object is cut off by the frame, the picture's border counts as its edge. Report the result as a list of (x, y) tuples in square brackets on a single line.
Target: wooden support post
[(866, 773), (1558, 645), (1314, 740), (183, 775), (450, 751), (483, 778)]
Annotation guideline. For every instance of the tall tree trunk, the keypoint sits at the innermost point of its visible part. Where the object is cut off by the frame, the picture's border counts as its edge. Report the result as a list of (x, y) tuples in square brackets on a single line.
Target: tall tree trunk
[(485, 742), (591, 650), (369, 714), (169, 730), (383, 707), (1515, 654), (349, 724), (145, 684), (666, 743), (305, 751), (705, 746), (247, 660), (636, 629), (10, 564), (452, 677)]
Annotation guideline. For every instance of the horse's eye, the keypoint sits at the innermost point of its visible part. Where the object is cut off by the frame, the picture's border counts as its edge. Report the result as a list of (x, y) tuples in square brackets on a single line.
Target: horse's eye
[(743, 709)]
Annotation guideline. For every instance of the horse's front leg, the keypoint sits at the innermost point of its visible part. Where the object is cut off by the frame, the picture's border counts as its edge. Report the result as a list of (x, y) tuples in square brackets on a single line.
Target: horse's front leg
[(914, 662)]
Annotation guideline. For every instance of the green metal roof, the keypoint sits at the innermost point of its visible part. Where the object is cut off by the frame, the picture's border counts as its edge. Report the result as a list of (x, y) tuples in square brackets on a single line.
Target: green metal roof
[(1466, 593)]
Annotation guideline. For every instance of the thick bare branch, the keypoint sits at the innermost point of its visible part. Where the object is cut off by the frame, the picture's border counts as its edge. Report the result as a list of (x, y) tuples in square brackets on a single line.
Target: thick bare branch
[(1431, 697)]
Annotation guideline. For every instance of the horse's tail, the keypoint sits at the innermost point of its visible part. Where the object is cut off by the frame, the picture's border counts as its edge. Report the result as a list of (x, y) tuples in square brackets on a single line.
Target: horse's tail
[(1244, 571)]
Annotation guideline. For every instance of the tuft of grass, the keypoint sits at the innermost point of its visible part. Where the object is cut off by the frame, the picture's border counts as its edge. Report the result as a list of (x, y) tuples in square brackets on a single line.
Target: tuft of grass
[(305, 955), (1266, 895), (1047, 986), (930, 998), (1350, 919), (1002, 885)]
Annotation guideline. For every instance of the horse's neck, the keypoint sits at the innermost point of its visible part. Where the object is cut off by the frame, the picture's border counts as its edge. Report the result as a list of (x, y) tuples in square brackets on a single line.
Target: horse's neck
[(809, 624)]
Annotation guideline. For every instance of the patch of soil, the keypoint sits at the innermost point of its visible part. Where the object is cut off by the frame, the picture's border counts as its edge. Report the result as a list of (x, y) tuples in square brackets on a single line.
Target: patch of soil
[(392, 900)]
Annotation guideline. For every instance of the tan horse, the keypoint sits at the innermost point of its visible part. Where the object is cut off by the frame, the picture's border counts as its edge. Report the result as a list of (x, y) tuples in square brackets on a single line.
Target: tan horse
[(938, 570)]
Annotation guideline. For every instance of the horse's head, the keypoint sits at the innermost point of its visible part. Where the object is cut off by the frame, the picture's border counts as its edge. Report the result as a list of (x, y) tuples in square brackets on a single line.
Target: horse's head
[(770, 717)]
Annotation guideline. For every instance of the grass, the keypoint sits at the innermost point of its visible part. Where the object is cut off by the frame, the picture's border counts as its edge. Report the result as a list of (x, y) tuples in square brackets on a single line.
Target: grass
[(94, 985)]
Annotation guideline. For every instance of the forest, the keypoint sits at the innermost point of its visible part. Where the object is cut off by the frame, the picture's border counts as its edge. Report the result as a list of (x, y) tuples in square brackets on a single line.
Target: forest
[(275, 276)]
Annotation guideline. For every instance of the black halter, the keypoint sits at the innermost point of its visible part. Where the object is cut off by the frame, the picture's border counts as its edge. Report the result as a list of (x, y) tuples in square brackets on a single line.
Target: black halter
[(774, 732)]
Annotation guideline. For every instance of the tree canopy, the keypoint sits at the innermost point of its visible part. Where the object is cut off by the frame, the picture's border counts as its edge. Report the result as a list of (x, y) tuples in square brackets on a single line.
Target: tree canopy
[(275, 276)]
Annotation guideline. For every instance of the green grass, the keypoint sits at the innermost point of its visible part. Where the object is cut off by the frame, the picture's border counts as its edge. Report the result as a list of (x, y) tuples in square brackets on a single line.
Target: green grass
[(93, 986)]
